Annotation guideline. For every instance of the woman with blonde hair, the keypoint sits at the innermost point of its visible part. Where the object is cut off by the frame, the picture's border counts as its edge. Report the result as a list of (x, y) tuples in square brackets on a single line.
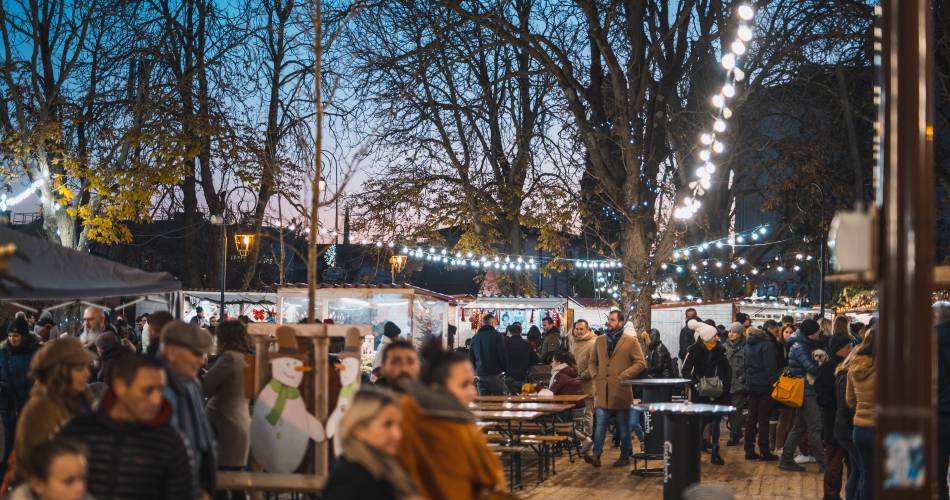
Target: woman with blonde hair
[(370, 435)]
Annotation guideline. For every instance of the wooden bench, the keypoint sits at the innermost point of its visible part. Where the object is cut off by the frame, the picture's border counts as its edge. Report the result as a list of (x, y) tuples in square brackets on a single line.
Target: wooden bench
[(541, 444), (515, 467)]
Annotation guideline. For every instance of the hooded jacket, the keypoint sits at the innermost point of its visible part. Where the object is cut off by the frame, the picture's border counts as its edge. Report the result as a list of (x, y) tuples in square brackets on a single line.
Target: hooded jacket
[(14, 370), (659, 361), (735, 353), (566, 381), (860, 393), (443, 451), (550, 345), (761, 362), (687, 338), (799, 359), (488, 352), (143, 461)]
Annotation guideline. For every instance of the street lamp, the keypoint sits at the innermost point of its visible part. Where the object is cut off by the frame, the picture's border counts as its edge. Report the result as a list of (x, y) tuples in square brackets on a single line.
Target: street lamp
[(242, 242), (396, 265)]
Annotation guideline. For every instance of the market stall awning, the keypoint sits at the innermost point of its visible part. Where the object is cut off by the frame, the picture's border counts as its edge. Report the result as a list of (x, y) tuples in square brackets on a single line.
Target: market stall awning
[(43, 270), (516, 303)]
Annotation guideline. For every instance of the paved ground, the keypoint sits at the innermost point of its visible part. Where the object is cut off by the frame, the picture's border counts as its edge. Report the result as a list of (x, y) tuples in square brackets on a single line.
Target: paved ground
[(748, 480)]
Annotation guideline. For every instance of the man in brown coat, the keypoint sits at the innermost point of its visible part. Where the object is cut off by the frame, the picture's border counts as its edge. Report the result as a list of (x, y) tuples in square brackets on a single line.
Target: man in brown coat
[(584, 339), (615, 357)]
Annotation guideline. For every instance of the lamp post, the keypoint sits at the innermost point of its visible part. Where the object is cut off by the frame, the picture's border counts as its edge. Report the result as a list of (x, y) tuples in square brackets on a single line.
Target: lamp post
[(243, 242)]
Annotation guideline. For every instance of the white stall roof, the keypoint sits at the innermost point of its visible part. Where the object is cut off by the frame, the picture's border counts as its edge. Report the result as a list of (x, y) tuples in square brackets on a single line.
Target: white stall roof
[(516, 303)]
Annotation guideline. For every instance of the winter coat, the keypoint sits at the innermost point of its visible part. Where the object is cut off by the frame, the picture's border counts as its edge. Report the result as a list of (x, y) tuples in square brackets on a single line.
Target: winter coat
[(762, 368), (227, 408), (582, 350), (943, 369), (488, 352), (825, 395), (735, 353), (701, 362), (567, 381), (140, 461), (189, 417), (550, 345), (687, 338), (627, 362), (352, 480), (844, 414), (860, 391), (14, 373), (659, 361), (800, 361), (520, 357), (443, 451), (41, 419)]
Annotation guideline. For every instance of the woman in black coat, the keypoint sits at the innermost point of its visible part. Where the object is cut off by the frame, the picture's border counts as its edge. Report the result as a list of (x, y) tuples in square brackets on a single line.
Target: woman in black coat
[(659, 361), (370, 435), (704, 359)]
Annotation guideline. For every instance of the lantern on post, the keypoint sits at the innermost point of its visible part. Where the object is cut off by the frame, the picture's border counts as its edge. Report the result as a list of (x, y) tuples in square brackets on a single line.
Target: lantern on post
[(243, 243), (396, 265)]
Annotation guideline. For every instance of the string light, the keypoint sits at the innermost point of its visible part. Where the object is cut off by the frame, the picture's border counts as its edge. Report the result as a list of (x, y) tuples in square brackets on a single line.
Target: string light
[(729, 61), (8, 202)]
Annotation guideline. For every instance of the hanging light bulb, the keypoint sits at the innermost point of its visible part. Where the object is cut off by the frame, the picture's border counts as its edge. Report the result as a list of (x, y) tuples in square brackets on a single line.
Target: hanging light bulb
[(729, 90), (710, 167), (663, 266), (719, 126), (718, 147), (705, 139), (718, 100), (755, 271), (729, 61), (738, 74), (744, 33), (726, 112), (746, 12), (704, 155), (738, 47)]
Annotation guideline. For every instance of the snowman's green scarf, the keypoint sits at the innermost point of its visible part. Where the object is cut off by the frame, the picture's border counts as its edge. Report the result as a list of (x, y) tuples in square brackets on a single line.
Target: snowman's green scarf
[(284, 392)]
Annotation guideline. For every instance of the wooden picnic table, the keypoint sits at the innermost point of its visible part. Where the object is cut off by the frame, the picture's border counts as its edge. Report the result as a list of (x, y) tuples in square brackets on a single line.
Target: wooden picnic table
[(563, 398), (507, 415), (253, 482), (519, 406)]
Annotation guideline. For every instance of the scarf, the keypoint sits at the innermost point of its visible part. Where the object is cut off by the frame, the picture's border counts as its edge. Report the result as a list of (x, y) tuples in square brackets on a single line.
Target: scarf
[(380, 466), (284, 392), (613, 336), (554, 371), (710, 344)]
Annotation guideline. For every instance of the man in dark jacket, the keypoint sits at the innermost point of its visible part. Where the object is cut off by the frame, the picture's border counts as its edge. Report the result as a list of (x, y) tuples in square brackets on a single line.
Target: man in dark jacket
[(552, 340), (839, 346), (761, 371), (133, 451), (687, 336), (807, 418), (520, 358), (659, 361), (490, 357), (183, 350), (942, 325)]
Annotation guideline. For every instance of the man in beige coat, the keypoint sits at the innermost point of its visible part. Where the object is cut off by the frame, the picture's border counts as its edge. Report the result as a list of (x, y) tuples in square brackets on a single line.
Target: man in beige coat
[(583, 344), (614, 357)]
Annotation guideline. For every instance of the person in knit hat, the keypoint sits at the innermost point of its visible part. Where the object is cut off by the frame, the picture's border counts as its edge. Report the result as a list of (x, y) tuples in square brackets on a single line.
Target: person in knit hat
[(706, 358), (391, 333), (739, 394)]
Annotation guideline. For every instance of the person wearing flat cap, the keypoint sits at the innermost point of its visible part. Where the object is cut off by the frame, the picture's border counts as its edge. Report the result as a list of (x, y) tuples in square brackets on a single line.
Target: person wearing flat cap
[(61, 370), (183, 350)]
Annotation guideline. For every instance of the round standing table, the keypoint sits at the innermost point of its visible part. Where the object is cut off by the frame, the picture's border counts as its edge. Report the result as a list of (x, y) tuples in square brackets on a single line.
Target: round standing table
[(655, 390), (682, 443)]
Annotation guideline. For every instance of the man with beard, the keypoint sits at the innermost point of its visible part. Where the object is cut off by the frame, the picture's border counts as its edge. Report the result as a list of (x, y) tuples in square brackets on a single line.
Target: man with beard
[(399, 366), (94, 323)]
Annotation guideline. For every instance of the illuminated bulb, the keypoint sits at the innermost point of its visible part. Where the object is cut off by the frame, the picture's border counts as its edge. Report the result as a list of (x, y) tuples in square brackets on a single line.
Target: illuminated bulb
[(705, 139), (738, 74), (663, 266), (746, 12), (710, 167), (780, 269), (797, 268), (799, 256), (726, 112), (718, 101), (733, 265), (693, 267), (719, 126), (762, 231), (740, 239), (755, 236), (729, 61), (742, 261), (728, 90), (718, 147), (755, 271), (744, 33), (676, 255), (679, 269), (718, 264), (738, 47), (704, 155)]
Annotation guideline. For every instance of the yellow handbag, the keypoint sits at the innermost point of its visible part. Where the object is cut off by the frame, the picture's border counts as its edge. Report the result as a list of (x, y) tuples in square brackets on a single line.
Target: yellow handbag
[(790, 391)]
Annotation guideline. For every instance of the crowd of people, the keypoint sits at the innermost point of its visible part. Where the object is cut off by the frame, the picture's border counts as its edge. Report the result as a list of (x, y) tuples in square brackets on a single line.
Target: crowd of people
[(155, 409)]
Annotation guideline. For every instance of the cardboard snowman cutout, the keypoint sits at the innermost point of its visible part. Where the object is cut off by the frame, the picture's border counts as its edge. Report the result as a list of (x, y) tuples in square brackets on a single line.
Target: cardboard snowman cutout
[(350, 380), (281, 426)]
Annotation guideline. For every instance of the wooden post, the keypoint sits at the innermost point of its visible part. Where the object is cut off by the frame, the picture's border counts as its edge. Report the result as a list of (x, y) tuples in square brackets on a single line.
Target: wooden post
[(905, 346)]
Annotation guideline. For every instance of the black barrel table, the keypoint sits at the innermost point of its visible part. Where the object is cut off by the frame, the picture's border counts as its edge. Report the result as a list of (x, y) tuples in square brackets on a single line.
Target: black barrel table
[(682, 443), (655, 390)]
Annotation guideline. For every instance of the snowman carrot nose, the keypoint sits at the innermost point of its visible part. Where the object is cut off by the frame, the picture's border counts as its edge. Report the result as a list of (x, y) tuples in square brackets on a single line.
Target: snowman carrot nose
[(303, 369)]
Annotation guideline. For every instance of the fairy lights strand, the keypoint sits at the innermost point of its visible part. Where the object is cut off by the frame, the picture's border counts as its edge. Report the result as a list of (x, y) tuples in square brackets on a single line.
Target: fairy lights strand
[(712, 146), (8, 202)]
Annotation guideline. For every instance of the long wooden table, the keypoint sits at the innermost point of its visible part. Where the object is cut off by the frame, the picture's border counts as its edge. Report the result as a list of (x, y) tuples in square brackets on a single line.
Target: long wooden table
[(521, 398), (253, 482), (518, 406)]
